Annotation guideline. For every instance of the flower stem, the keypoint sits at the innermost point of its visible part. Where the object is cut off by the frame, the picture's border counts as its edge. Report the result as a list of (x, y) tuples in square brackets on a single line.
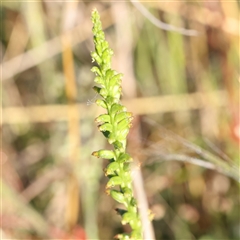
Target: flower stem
[(114, 125)]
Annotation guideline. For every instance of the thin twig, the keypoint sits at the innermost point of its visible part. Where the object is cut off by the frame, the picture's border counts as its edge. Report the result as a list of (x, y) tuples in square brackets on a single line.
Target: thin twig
[(200, 15), (148, 105), (142, 202), (228, 168), (183, 158), (161, 24), (217, 150), (194, 161)]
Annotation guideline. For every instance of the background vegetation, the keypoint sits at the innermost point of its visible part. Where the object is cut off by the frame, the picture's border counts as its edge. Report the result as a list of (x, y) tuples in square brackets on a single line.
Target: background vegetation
[(52, 188)]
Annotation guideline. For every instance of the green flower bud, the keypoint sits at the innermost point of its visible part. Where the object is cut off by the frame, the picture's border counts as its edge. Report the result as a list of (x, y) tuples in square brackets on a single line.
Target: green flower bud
[(123, 236), (105, 127), (132, 208), (98, 48), (104, 45), (127, 192), (118, 196), (112, 138), (101, 103), (103, 118), (126, 178), (115, 91), (123, 126), (135, 224), (96, 57), (114, 181), (128, 217), (136, 234), (96, 70), (116, 107), (124, 157), (121, 135), (112, 168), (104, 92), (100, 34), (105, 67), (98, 80), (118, 145), (116, 79), (97, 40), (120, 116), (107, 154), (117, 97), (133, 202), (126, 166), (106, 55), (109, 73)]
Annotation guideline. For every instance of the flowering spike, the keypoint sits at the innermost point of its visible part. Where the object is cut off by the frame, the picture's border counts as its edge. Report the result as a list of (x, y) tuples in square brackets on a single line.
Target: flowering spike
[(115, 124)]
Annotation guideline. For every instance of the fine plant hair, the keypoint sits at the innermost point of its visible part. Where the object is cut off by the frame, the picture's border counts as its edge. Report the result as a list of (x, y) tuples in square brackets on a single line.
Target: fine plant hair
[(114, 125)]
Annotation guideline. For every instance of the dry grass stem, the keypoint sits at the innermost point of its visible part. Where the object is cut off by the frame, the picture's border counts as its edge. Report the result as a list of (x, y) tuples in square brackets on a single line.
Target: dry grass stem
[(147, 105)]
